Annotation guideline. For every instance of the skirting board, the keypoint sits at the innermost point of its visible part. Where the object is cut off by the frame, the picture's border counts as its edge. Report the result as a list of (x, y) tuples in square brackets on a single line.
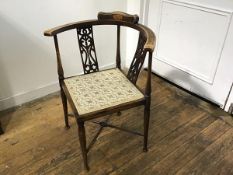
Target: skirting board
[(21, 98)]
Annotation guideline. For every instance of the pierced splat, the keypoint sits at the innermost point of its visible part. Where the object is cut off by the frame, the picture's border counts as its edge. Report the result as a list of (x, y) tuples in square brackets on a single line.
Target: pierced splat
[(87, 49), (138, 60)]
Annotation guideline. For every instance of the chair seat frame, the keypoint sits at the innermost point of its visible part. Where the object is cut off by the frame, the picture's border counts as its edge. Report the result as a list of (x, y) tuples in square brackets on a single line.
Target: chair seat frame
[(146, 44)]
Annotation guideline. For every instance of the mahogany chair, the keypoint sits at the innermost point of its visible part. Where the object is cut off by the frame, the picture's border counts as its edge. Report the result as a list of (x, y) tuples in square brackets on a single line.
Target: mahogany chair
[(100, 93)]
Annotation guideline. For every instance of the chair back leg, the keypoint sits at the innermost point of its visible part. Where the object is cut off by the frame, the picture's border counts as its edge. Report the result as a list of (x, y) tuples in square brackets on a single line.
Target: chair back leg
[(65, 108)]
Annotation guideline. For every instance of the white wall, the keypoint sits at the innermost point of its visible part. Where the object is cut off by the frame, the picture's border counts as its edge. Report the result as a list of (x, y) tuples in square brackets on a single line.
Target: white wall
[(27, 58), (133, 7)]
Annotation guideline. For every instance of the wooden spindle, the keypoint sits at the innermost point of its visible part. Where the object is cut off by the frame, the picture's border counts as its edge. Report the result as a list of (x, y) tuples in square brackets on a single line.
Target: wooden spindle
[(59, 64), (118, 54)]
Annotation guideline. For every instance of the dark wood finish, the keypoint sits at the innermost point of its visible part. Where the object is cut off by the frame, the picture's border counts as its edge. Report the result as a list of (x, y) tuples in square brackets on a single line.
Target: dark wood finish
[(150, 37), (118, 16), (82, 140), (138, 60), (186, 137), (105, 124), (230, 110), (60, 70), (146, 44), (147, 104), (93, 141), (65, 108), (118, 52), (61, 78), (87, 49), (1, 130), (119, 113)]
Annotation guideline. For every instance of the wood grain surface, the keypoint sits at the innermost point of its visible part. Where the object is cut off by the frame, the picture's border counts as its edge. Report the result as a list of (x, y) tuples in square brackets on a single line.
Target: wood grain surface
[(186, 136)]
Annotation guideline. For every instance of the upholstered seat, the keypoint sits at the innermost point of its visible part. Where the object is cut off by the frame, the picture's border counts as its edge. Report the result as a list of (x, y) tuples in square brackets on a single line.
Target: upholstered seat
[(101, 90)]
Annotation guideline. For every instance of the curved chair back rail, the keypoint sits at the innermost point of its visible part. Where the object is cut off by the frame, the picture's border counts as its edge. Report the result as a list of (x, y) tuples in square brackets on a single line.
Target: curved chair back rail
[(148, 33), (146, 42)]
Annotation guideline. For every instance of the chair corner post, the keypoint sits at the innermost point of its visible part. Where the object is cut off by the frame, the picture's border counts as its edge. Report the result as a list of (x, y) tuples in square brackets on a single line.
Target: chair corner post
[(118, 53), (148, 82), (59, 63)]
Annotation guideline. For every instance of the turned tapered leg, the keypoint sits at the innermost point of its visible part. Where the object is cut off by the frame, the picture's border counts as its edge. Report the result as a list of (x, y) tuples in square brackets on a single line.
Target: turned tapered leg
[(1, 130), (82, 140), (65, 108), (146, 126)]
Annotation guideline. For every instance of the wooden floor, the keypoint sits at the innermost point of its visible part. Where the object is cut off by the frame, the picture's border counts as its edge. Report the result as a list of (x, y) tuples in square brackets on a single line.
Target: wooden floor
[(187, 136)]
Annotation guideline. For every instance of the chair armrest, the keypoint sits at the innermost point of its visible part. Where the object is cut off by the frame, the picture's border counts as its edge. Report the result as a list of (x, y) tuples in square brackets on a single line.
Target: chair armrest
[(65, 27), (150, 42), (59, 29)]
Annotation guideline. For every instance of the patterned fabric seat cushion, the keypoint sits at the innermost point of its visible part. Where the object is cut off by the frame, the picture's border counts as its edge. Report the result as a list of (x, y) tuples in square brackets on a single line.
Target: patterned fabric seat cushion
[(100, 90)]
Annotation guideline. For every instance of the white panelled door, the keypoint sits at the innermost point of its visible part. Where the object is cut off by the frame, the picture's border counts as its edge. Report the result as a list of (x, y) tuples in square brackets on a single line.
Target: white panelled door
[(194, 45)]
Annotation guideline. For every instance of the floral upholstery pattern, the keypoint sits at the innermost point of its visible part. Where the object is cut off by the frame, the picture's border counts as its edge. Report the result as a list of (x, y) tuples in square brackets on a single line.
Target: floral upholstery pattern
[(100, 90)]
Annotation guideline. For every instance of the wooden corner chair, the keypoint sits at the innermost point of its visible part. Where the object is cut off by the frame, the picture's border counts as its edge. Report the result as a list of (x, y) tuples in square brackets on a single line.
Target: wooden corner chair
[(99, 93)]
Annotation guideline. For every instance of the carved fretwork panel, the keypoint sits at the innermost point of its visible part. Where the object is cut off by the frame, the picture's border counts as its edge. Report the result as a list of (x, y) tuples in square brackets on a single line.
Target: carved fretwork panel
[(87, 49), (138, 60)]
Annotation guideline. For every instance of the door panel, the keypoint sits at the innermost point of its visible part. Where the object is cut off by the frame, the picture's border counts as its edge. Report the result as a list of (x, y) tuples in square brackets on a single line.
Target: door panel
[(193, 46), (190, 35)]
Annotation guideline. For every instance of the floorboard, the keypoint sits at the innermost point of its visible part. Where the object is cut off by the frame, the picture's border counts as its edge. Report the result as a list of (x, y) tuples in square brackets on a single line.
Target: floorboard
[(187, 136)]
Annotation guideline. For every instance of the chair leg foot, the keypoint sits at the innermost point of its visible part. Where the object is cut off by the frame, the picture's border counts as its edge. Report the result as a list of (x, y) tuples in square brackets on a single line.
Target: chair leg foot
[(119, 113), (67, 127), (87, 168), (65, 109), (82, 140), (146, 127)]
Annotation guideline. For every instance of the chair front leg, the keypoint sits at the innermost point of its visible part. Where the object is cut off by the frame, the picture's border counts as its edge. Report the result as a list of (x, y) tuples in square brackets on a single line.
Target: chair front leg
[(82, 140), (146, 124), (148, 101), (65, 108)]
